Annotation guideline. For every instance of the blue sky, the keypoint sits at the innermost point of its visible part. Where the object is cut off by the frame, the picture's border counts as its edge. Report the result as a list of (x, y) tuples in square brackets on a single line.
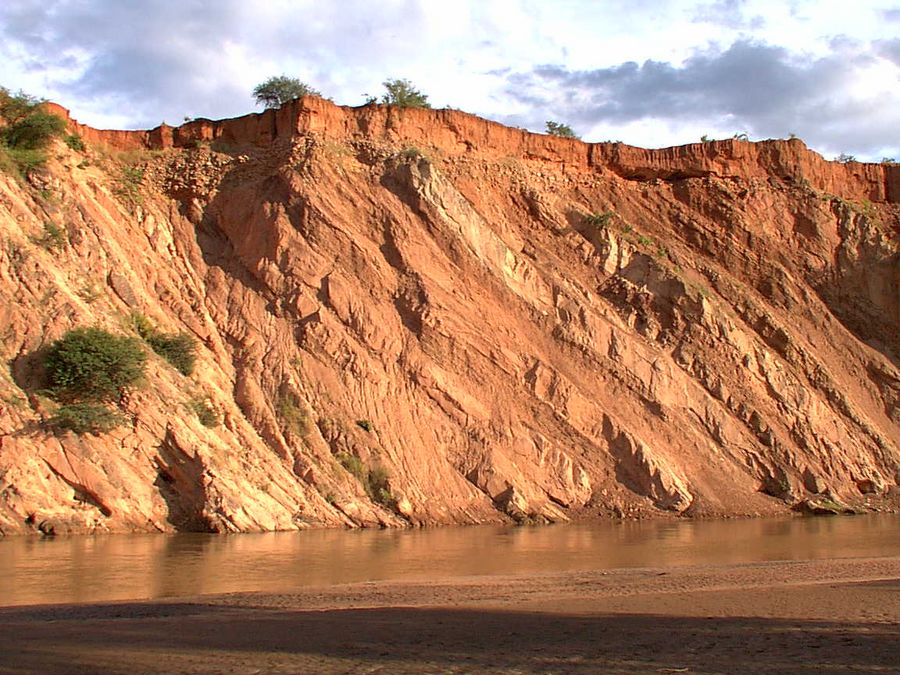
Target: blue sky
[(651, 74)]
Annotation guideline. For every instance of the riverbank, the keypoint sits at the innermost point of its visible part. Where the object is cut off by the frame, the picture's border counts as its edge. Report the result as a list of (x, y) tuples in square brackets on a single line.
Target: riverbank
[(811, 616)]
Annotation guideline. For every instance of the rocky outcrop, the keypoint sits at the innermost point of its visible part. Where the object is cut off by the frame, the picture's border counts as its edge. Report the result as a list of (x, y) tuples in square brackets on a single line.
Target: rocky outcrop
[(410, 317)]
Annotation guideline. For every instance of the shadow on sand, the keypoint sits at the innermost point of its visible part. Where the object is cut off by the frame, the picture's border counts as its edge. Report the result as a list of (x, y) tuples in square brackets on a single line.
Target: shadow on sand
[(199, 637)]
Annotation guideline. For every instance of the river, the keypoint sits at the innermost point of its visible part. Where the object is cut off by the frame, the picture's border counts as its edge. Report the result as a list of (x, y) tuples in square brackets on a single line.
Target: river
[(125, 567)]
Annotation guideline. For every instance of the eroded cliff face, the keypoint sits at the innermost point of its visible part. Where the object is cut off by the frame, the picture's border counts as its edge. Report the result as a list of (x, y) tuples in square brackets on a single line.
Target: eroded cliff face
[(507, 326)]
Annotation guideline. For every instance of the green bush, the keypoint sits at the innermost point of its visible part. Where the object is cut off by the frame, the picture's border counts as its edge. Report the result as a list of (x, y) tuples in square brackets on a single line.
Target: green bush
[(16, 161), (599, 219), (26, 132), (377, 486), (289, 409), (204, 411), (365, 425), (85, 418), (403, 94), (353, 464), (16, 107), (128, 184), (179, 349), (141, 324), (375, 481), (34, 132), (562, 130), (54, 237), (75, 142), (91, 364), (276, 91)]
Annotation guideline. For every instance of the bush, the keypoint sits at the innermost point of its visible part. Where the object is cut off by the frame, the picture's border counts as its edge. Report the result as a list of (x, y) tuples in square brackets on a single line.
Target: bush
[(54, 237), (378, 488), (204, 411), (353, 464), (34, 132), (85, 418), (74, 141), (91, 364), (16, 107), (562, 130), (599, 219), (375, 481), (276, 91), (179, 349), (403, 94), (128, 184), (365, 425), (289, 409)]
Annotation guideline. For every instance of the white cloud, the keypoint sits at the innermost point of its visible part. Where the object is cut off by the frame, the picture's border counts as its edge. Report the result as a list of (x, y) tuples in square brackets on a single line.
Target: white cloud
[(133, 64)]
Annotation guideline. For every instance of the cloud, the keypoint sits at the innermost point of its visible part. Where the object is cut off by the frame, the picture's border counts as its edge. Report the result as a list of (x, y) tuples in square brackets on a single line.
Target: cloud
[(729, 14), (157, 59), (889, 49), (641, 70), (764, 90)]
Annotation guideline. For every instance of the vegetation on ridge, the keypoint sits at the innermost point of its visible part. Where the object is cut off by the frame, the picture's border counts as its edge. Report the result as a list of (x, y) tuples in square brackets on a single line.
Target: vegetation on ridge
[(28, 130), (403, 94), (561, 130), (278, 90)]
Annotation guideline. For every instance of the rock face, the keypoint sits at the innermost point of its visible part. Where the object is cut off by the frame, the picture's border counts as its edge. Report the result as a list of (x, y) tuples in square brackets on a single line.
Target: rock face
[(416, 317)]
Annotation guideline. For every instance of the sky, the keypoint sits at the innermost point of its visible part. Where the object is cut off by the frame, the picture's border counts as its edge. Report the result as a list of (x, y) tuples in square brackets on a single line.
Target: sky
[(652, 73)]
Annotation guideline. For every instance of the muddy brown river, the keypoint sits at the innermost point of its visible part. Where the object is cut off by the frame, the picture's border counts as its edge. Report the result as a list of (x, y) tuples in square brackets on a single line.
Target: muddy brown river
[(119, 567)]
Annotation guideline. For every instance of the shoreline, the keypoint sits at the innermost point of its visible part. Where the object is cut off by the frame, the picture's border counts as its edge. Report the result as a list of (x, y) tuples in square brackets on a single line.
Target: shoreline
[(792, 616)]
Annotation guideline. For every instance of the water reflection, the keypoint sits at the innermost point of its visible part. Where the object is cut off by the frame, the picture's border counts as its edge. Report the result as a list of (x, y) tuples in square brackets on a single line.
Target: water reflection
[(83, 569)]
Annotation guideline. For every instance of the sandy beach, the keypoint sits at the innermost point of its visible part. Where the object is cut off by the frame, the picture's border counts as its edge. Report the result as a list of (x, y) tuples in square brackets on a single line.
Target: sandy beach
[(785, 617)]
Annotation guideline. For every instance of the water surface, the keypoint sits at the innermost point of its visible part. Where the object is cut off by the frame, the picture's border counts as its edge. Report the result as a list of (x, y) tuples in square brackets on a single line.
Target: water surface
[(121, 567)]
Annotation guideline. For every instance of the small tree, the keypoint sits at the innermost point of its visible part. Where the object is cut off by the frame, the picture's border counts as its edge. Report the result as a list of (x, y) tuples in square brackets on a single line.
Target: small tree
[(558, 129), (92, 365), (276, 91), (403, 94), (35, 131), (26, 131)]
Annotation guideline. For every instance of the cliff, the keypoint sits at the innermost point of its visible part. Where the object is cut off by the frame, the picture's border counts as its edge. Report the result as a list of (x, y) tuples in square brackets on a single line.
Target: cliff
[(413, 316)]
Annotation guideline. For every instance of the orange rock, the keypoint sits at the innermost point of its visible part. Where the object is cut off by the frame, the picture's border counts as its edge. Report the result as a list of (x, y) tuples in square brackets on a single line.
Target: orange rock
[(532, 328)]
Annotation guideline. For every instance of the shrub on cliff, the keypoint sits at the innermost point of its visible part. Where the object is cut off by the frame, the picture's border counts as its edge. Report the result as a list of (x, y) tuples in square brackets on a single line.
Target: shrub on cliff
[(93, 365), (85, 418), (276, 91), (179, 349), (403, 94), (558, 129), (27, 130), (34, 132)]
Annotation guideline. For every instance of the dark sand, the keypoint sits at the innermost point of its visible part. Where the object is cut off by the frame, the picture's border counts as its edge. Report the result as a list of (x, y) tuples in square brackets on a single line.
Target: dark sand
[(793, 617)]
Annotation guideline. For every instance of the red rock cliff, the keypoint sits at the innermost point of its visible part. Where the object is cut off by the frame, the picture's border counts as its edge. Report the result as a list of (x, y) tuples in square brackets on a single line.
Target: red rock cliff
[(418, 316)]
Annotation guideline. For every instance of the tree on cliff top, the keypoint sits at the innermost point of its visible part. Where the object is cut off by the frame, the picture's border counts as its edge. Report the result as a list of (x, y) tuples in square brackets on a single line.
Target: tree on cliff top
[(403, 94), (26, 132), (559, 129), (276, 91)]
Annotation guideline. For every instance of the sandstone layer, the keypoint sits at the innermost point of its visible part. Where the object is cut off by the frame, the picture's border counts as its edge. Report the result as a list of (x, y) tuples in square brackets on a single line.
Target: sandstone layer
[(503, 326)]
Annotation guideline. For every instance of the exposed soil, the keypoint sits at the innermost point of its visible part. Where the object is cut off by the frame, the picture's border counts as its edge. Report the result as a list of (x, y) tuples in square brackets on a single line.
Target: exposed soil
[(806, 617), (415, 317)]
